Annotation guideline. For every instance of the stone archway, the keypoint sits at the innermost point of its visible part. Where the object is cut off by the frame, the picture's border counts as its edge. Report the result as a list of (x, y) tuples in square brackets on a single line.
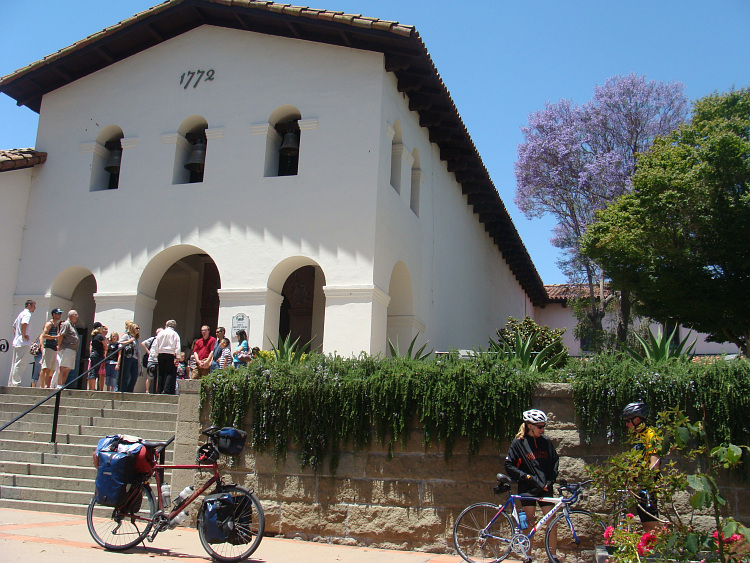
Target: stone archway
[(184, 282), (74, 288), (301, 314)]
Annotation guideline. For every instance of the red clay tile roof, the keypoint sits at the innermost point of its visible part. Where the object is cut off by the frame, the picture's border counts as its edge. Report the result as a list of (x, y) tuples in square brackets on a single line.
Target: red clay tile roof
[(20, 158), (405, 55), (561, 292)]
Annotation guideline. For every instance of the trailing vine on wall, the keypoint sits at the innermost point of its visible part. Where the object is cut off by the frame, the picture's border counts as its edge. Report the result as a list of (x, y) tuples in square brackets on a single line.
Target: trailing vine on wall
[(717, 392), (328, 402)]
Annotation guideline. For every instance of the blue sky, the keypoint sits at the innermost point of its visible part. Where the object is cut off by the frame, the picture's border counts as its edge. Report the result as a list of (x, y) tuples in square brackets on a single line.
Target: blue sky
[(500, 59)]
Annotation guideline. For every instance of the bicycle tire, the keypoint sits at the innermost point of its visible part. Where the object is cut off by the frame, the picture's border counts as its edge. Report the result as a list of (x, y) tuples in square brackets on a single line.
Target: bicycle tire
[(251, 529), (121, 530), (471, 540), (589, 530)]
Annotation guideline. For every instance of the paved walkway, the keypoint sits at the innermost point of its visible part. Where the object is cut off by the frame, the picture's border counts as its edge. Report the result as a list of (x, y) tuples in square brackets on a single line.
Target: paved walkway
[(60, 538)]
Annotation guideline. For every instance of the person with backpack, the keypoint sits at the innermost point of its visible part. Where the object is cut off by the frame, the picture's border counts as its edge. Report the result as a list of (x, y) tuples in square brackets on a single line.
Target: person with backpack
[(634, 416), (533, 461)]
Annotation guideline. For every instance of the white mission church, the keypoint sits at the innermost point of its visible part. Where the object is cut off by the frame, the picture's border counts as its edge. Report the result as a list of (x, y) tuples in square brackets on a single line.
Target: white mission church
[(304, 168)]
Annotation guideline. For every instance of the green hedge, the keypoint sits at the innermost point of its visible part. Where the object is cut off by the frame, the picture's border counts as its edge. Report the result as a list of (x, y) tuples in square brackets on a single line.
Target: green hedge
[(328, 403)]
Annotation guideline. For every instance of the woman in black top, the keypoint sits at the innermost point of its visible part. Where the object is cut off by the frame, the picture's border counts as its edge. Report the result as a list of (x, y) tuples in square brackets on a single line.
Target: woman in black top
[(533, 462), (97, 351)]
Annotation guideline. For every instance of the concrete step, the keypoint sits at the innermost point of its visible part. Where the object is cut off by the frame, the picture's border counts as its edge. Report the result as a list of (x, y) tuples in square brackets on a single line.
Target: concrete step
[(22, 402), (10, 450), (70, 438), (157, 431), (45, 470), (10, 410), (41, 393)]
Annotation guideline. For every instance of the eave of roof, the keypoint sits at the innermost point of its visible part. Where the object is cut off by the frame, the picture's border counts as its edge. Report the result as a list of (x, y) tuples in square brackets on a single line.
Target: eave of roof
[(404, 52), (16, 159)]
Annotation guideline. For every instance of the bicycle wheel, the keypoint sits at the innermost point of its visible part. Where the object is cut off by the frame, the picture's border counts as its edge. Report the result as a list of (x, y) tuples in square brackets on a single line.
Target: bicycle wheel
[(118, 529), (476, 541), (578, 547), (248, 525)]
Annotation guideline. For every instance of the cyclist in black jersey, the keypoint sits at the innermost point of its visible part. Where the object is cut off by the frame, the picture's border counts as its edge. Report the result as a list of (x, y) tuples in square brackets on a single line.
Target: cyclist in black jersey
[(533, 462)]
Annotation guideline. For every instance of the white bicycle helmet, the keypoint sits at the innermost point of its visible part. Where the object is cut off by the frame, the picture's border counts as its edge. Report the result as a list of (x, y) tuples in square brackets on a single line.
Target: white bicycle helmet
[(534, 416)]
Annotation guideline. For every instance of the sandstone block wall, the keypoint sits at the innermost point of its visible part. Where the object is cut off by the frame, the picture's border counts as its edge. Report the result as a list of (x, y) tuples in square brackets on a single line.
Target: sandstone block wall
[(408, 502)]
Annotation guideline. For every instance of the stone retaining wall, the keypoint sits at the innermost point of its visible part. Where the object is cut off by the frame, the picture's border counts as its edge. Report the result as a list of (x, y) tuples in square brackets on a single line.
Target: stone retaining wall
[(408, 502)]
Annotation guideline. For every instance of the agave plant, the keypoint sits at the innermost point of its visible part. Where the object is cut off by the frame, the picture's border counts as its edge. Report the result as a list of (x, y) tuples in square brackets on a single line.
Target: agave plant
[(660, 348), (288, 352), (418, 355), (521, 349)]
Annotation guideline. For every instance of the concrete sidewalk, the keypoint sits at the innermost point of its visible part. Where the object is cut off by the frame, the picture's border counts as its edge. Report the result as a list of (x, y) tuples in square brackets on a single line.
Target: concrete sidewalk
[(61, 538)]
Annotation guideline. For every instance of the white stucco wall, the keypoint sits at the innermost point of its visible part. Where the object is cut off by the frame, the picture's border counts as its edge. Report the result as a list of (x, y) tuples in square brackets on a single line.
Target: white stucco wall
[(14, 195), (555, 315), (463, 289)]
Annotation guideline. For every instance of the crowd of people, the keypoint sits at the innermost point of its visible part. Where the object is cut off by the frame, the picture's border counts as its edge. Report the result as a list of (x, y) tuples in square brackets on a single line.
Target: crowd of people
[(113, 357)]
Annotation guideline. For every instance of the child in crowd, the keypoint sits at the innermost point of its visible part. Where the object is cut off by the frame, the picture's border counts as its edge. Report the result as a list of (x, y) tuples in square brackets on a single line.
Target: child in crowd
[(225, 359), (181, 365)]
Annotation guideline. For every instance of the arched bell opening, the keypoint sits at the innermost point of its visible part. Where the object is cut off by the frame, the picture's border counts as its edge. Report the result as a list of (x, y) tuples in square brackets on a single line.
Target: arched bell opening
[(107, 160), (283, 144), (191, 151)]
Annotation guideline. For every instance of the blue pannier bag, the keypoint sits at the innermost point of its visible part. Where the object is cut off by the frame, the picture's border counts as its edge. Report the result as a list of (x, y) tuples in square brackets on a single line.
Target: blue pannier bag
[(116, 473), (218, 517), (231, 441)]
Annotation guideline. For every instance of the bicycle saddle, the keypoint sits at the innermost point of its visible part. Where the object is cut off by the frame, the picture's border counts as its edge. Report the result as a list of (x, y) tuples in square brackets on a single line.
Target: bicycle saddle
[(501, 478)]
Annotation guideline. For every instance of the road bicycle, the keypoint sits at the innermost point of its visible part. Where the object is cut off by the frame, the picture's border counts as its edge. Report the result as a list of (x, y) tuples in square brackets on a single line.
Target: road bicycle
[(141, 516), (485, 532)]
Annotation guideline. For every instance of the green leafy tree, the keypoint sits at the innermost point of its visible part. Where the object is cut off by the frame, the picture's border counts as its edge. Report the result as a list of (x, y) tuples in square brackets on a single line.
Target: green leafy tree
[(679, 240)]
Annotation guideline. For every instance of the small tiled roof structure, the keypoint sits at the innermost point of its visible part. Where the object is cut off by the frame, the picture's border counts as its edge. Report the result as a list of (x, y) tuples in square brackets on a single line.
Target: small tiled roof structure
[(561, 292), (20, 158), (404, 54)]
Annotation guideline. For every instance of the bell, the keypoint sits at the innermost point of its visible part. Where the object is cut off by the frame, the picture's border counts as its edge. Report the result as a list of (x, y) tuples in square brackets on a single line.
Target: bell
[(290, 144), (113, 162), (197, 159)]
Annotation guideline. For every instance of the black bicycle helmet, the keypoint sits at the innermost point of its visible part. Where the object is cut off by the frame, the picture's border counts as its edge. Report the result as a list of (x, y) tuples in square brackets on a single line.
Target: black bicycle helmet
[(635, 409)]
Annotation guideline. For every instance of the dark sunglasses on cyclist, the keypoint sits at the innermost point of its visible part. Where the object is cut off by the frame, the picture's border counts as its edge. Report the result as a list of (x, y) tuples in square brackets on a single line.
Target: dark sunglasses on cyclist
[(542, 425), (630, 421)]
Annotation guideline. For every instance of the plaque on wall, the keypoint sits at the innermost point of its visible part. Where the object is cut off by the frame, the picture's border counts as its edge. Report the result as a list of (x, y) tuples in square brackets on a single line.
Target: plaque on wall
[(240, 322)]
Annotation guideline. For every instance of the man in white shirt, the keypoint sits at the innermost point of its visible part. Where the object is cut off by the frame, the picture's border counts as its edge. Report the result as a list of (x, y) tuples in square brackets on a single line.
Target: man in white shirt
[(21, 343), (167, 345)]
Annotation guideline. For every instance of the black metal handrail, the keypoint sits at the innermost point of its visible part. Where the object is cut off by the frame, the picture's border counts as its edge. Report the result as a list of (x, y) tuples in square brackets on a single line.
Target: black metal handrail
[(57, 393)]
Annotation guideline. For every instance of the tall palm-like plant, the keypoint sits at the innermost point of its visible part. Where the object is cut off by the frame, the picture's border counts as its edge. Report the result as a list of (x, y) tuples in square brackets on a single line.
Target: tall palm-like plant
[(521, 349), (418, 355), (289, 352), (659, 348)]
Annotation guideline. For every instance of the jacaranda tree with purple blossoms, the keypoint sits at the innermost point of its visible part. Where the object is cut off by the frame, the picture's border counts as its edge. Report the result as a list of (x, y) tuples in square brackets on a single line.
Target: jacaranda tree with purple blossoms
[(576, 160)]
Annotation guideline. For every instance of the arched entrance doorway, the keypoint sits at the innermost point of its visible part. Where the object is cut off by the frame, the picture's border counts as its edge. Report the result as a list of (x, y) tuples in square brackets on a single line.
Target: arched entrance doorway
[(188, 293), (74, 288), (300, 282)]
